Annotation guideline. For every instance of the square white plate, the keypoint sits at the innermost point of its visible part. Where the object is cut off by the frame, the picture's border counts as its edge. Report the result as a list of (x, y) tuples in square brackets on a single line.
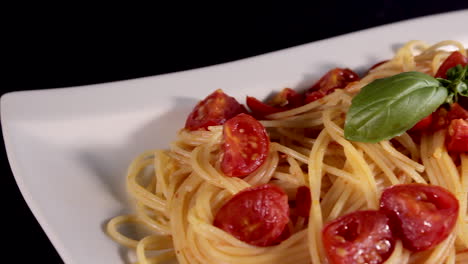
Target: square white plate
[(69, 148)]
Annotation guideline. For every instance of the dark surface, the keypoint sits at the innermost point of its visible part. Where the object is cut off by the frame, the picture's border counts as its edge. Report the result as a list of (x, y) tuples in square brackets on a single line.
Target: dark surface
[(60, 49)]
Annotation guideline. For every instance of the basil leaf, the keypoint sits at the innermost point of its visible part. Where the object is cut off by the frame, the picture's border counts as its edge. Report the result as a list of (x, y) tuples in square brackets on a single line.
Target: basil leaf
[(387, 107)]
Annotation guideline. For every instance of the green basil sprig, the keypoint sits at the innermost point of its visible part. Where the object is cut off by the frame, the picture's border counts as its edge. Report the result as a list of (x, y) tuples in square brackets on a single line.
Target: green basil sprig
[(388, 107), (456, 83)]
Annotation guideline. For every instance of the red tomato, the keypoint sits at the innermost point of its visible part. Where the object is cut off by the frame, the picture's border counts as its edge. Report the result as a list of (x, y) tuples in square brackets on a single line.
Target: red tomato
[(315, 95), (246, 145), (287, 98), (453, 60), (256, 215), (284, 235), (334, 79), (214, 110), (439, 119), (421, 215), (284, 100), (377, 65), (303, 201), (260, 109), (424, 124), (456, 112), (458, 136), (359, 237)]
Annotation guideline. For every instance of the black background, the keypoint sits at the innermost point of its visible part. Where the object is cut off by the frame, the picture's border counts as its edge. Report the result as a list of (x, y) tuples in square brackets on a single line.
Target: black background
[(77, 45)]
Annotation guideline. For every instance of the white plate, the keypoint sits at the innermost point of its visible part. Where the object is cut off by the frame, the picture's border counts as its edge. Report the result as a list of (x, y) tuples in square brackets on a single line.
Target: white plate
[(69, 148)]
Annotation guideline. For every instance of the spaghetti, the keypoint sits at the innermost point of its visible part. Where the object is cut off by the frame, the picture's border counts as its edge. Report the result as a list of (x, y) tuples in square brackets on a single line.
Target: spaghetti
[(179, 191)]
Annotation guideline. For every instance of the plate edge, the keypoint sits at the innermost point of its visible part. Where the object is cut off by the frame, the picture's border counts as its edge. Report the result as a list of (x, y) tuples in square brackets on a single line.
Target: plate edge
[(24, 190)]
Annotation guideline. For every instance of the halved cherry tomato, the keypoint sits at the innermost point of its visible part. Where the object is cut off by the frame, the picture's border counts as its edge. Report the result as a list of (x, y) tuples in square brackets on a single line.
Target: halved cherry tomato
[(246, 145), (256, 215), (284, 100), (457, 140), (453, 60), (303, 201), (424, 124), (420, 215), (334, 79), (214, 110), (359, 237)]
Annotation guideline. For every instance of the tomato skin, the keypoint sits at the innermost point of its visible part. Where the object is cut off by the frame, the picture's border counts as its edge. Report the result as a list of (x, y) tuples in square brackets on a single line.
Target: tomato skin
[(260, 109), (440, 120), (377, 65), (288, 98), (424, 124), (256, 215), (285, 234), (284, 100), (457, 112), (314, 96), (334, 79), (420, 215), (359, 237), (457, 140), (214, 110), (246, 146), (303, 201), (453, 60)]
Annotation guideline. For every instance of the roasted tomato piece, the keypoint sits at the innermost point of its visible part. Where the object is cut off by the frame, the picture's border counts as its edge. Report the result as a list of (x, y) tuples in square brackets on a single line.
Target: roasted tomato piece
[(424, 124), (377, 65), (284, 100), (359, 237), (420, 215), (303, 201), (457, 112), (334, 79), (256, 215), (457, 140), (453, 60), (315, 95), (214, 110), (246, 145), (260, 109), (284, 235), (439, 119)]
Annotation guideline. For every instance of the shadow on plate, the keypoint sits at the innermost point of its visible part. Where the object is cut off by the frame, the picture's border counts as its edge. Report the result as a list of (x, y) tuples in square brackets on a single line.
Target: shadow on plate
[(110, 164)]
